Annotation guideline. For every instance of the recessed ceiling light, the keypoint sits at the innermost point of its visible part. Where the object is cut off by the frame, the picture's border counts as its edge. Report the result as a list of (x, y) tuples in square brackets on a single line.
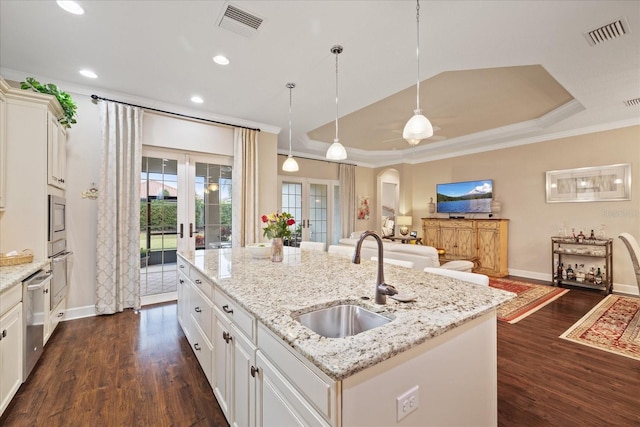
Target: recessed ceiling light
[(89, 73), (71, 7), (222, 60), (197, 99)]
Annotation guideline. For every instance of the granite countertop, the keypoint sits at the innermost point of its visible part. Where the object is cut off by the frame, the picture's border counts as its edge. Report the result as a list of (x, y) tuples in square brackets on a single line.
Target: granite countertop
[(12, 275), (306, 280)]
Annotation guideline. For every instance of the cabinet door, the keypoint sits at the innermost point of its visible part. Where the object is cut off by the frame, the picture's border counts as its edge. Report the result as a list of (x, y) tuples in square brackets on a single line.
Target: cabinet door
[(244, 359), (222, 367), (448, 241), (57, 315), (53, 151), (11, 347), (3, 155), (278, 404), (465, 243), (46, 290), (489, 249), (183, 301), (431, 232)]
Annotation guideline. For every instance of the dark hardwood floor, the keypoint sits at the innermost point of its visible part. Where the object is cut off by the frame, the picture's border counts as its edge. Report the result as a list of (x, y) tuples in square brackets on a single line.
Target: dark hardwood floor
[(126, 369), (138, 370)]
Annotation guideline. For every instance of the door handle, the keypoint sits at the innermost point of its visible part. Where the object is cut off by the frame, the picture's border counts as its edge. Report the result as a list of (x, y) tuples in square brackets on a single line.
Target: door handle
[(190, 229), (254, 371), (181, 230)]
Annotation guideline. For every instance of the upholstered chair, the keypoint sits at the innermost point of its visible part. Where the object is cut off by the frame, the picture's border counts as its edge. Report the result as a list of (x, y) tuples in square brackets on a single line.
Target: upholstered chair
[(312, 246), (475, 278)]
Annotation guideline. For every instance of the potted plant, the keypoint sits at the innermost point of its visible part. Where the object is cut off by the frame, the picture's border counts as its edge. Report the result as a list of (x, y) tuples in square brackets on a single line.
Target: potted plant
[(68, 106)]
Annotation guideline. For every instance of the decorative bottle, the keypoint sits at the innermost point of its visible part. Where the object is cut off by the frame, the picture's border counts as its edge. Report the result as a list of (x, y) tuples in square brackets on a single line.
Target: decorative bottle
[(581, 237), (570, 273), (564, 272), (598, 277)]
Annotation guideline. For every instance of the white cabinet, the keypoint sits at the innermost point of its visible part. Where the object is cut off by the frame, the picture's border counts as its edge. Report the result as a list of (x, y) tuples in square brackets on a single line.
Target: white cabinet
[(30, 128), (195, 314), (234, 372), (3, 142), (279, 403), (11, 345), (56, 152), (291, 390), (55, 317), (222, 364)]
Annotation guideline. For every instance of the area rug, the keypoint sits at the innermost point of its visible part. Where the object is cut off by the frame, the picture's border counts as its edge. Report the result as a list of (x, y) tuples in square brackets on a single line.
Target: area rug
[(530, 298), (613, 325)]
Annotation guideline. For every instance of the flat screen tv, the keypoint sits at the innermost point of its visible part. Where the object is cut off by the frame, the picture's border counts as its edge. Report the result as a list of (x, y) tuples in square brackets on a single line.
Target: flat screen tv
[(465, 197)]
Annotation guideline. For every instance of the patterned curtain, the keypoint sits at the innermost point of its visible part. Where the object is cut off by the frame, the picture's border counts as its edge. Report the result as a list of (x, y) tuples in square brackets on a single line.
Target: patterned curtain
[(246, 225), (347, 182), (118, 246)]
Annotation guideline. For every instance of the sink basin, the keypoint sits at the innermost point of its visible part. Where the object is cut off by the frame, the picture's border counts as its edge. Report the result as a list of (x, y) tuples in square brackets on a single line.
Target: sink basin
[(341, 320)]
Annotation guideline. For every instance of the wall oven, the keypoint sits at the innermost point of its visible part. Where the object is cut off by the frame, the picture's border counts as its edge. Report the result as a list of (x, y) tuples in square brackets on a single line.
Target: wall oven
[(57, 249), (57, 219)]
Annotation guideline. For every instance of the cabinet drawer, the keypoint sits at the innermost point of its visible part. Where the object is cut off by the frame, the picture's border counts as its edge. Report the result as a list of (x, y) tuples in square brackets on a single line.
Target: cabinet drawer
[(10, 298), (236, 314), (491, 225), (314, 388), (57, 314), (201, 282), (457, 224), (183, 266), (202, 312), (430, 223), (203, 349)]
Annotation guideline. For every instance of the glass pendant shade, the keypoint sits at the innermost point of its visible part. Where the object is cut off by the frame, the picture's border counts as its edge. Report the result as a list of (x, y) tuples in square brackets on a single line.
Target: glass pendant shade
[(417, 128), (336, 151), (290, 165)]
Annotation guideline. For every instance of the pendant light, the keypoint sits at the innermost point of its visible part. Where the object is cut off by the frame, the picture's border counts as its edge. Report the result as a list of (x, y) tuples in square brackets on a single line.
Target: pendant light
[(418, 127), (336, 151), (290, 165)]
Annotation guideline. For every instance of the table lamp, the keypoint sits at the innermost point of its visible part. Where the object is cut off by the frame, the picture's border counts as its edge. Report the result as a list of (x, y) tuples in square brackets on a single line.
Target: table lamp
[(404, 222)]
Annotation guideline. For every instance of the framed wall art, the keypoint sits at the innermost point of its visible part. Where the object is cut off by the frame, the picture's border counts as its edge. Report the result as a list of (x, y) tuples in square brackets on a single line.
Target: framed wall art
[(590, 184)]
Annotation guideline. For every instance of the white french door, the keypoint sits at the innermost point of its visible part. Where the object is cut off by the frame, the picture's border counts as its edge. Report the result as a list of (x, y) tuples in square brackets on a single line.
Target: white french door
[(185, 204), (314, 205)]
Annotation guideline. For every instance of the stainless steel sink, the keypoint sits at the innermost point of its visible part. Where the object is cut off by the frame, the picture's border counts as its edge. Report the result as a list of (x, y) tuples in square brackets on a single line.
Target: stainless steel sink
[(341, 320)]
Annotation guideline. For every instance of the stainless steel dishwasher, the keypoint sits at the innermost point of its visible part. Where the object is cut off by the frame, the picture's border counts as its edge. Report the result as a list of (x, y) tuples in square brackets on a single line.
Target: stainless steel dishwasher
[(34, 293)]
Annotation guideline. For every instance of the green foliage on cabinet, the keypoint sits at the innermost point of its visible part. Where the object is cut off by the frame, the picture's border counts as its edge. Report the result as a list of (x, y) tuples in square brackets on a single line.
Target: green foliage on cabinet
[(66, 102)]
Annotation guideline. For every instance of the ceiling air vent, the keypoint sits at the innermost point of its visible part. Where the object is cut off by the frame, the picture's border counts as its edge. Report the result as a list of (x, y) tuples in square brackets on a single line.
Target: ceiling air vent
[(607, 32), (632, 102), (239, 21)]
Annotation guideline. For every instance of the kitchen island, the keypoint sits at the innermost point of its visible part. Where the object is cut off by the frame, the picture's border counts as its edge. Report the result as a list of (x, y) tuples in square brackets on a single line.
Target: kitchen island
[(433, 364)]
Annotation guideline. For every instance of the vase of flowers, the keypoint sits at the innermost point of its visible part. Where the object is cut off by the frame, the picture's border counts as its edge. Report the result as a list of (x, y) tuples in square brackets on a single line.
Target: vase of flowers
[(276, 228)]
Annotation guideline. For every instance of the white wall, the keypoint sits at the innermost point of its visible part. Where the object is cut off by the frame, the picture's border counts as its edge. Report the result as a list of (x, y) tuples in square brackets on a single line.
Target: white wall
[(518, 175)]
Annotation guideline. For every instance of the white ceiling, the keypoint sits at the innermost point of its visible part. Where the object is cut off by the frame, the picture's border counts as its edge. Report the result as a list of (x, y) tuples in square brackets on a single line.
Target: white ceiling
[(160, 53)]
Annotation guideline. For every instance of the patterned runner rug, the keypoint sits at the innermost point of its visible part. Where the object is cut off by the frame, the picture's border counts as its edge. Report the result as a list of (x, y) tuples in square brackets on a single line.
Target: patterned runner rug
[(530, 298), (613, 325)]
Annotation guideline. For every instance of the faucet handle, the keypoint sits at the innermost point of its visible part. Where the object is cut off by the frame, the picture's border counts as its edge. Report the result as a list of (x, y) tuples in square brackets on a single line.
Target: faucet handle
[(387, 289)]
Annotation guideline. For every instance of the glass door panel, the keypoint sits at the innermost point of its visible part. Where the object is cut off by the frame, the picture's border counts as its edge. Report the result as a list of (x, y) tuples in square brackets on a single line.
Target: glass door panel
[(158, 225), (212, 205), (292, 203), (318, 215), (312, 203)]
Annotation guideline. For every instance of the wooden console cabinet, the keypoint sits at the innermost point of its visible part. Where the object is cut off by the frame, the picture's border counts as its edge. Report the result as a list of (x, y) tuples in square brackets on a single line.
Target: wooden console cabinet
[(483, 241)]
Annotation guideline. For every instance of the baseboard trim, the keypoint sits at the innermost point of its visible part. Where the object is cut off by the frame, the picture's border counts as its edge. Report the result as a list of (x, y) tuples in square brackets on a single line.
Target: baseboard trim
[(90, 310)]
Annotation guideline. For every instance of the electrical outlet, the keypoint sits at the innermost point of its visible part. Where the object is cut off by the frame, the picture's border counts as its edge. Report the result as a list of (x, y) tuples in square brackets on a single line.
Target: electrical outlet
[(407, 403)]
